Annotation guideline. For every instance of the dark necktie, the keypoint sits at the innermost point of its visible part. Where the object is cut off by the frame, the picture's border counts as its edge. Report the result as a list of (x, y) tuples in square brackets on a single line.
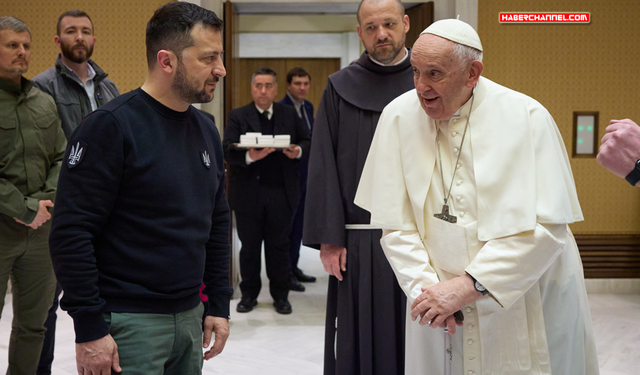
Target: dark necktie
[(266, 125), (304, 117)]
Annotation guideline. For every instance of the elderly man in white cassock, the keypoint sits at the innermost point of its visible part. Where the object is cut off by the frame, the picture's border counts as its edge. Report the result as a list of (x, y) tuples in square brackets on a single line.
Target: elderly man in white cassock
[(472, 185)]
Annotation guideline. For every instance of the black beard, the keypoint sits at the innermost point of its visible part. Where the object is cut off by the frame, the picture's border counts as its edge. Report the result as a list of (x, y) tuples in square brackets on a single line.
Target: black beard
[(188, 91), (387, 58), (68, 52)]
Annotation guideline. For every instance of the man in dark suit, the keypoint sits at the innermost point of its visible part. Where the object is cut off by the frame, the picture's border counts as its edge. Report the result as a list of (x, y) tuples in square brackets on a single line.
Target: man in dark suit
[(264, 189), (298, 81)]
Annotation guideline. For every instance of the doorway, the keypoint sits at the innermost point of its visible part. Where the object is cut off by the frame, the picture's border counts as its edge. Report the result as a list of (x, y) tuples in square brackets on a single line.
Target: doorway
[(319, 70)]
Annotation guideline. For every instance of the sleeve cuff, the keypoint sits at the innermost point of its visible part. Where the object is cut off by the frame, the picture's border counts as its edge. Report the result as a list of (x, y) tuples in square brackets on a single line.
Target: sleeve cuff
[(248, 159), (90, 327), (30, 213), (219, 306), (315, 236)]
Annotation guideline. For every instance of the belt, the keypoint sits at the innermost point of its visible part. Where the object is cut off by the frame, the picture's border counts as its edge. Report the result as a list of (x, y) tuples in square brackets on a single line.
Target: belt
[(360, 227)]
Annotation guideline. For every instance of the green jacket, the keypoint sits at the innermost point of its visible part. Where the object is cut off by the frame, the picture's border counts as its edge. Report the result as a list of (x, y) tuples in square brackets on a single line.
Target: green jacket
[(32, 146)]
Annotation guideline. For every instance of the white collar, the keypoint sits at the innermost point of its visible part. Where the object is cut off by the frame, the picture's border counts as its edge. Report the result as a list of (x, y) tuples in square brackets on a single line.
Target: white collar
[(467, 102), (270, 109), (90, 72)]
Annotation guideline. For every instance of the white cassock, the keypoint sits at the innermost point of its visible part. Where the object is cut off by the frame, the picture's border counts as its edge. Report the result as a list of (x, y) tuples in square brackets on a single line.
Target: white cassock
[(514, 196)]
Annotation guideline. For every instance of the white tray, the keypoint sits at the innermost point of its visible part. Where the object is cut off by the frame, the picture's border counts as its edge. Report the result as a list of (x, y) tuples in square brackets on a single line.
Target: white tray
[(240, 145)]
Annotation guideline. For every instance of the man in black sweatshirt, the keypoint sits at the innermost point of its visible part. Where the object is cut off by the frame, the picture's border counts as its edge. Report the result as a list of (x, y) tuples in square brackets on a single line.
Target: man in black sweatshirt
[(141, 219)]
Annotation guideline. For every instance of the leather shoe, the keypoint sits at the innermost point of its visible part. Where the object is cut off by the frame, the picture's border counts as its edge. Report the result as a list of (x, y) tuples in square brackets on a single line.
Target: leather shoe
[(246, 304), (297, 272), (295, 285), (282, 306)]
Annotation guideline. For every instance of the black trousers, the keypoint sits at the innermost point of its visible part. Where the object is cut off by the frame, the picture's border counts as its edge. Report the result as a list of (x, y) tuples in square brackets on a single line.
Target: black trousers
[(269, 222), (295, 237)]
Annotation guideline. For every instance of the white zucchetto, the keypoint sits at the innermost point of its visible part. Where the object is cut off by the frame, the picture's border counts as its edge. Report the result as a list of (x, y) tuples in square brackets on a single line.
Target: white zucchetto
[(456, 31)]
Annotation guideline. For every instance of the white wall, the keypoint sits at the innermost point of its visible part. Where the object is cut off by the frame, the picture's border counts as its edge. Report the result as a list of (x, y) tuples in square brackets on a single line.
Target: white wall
[(267, 38), (314, 23), (345, 46)]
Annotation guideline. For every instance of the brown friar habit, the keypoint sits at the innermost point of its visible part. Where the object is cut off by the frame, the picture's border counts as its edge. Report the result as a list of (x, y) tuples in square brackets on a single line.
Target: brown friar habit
[(366, 311)]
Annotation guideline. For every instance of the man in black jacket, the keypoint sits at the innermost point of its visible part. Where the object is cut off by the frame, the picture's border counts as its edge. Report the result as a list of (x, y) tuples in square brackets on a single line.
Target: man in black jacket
[(77, 84), (264, 189), (143, 220), (298, 82), (79, 87)]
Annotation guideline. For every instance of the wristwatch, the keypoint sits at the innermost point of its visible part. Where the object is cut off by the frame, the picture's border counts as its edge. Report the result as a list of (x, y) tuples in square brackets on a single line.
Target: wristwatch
[(479, 286), (634, 176)]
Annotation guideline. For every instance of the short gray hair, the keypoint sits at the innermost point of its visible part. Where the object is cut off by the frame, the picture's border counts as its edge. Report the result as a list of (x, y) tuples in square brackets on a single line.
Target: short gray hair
[(13, 24), (465, 54), (264, 72)]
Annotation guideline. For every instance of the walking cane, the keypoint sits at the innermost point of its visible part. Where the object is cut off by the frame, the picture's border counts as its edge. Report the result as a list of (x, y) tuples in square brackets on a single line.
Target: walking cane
[(448, 349), (448, 352)]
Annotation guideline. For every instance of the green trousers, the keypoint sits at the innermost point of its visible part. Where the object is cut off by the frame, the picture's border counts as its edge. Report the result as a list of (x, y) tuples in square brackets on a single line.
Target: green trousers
[(158, 344), (25, 259)]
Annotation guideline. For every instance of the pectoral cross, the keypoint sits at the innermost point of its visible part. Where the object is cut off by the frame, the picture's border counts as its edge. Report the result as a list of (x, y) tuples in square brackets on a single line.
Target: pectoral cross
[(445, 215)]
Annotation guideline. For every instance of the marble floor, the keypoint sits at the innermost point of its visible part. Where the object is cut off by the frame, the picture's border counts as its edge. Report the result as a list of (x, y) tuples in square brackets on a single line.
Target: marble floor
[(266, 343)]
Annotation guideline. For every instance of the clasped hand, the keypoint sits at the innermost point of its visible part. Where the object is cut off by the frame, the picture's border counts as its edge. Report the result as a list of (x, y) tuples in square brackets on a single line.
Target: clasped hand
[(42, 216), (292, 152), (260, 153), (437, 303), (620, 147)]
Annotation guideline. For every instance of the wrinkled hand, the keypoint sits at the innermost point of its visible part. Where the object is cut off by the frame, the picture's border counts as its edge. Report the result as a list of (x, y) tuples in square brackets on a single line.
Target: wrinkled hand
[(220, 328), (451, 324), (42, 216), (260, 153), (620, 147), (98, 357), (334, 259), (438, 302), (292, 152)]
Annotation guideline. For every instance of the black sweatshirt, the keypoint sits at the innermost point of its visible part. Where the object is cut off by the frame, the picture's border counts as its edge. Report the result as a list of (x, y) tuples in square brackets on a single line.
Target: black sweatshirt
[(141, 217)]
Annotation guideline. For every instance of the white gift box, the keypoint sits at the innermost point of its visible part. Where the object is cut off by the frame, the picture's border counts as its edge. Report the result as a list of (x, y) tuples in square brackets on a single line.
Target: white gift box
[(282, 140), (250, 138), (265, 140)]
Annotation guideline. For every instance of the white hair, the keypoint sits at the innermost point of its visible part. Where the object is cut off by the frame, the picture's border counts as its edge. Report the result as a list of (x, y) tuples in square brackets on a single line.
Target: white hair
[(465, 54)]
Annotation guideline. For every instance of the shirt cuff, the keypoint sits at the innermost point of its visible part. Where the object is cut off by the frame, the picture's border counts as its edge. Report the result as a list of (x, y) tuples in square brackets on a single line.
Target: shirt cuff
[(300, 154), (247, 158)]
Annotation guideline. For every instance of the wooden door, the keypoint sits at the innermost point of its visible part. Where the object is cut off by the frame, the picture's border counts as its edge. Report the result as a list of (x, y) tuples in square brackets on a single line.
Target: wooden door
[(420, 17)]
